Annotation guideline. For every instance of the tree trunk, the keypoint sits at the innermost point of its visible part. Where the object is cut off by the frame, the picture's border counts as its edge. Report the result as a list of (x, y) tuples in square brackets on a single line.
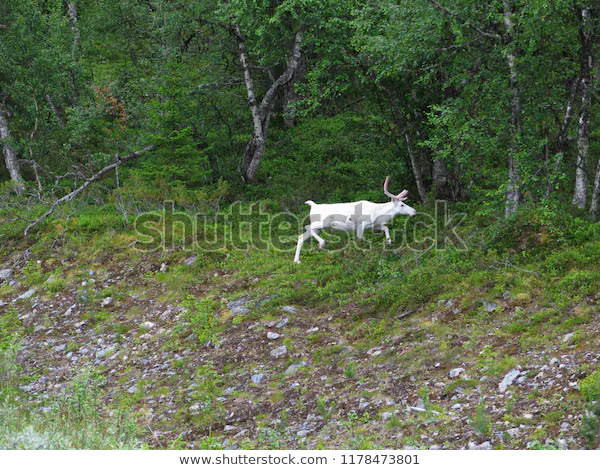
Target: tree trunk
[(416, 168), (55, 112), (513, 191), (595, 206), (290, 96), (10, 156), (261, 114), (562, 139), (76, 53), (583, 129), (441, 184)]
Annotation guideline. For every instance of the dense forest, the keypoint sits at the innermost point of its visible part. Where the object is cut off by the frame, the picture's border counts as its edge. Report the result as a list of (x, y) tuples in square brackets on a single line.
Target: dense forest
[(493, 103), (112, 110)]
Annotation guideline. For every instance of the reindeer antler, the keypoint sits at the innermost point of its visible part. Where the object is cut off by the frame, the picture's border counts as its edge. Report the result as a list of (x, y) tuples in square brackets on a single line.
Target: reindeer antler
[(402, 196), (385, 188)]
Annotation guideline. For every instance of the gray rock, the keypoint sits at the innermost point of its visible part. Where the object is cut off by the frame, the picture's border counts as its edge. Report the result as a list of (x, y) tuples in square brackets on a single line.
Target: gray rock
[(257, 378), (568, 337), (508, 380), (435, 447), (489, 306), (241, 310), (108, 301), (5, 274), (282, 323), (272, 335), (105, 352), (483, 446), (513, 432), (562, 444), (27, 295), (278, 352), (148, 325), (387, 415), (290, 309), (132, 389), (455, 372), (295, 367), (190, 261), (163, 268)]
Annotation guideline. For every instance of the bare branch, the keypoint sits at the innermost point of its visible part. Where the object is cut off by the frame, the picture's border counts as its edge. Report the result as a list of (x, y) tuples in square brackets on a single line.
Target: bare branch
[(89, 181)]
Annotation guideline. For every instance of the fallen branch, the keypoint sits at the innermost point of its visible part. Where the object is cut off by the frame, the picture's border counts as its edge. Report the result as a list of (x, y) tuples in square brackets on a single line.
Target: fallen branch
[(510, 265), (87, 182)]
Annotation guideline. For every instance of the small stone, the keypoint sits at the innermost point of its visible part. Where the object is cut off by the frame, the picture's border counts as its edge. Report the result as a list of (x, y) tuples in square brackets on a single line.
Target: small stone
[(163, 268), (278, 352), (302, 432), (553, 361), (387, 415), (312, 330), (295, 367), (229, 428), (489, 306), (26, 295), (190, 261), (562, 444), (241, 310), (257, 378), (565, 426), (5, 274), (506, 295), (508, 380), (282, 323), (290, 309), (484, 446), (455, 372), (272, 335), (70, 310), (568, 337), (108, 301), (132, 389), (456, 406), (528, 416), (148, 325)]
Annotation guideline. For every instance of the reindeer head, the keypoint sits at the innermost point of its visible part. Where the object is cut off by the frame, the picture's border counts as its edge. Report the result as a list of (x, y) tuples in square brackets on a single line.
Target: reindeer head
[(398, 199)]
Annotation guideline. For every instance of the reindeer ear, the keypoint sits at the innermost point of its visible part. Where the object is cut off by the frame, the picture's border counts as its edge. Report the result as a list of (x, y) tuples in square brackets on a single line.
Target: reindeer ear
[(403, 196)]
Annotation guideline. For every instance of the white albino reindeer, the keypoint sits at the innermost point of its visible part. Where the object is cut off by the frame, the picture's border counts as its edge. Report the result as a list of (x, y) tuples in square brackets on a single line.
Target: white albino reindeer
[(351, 216)]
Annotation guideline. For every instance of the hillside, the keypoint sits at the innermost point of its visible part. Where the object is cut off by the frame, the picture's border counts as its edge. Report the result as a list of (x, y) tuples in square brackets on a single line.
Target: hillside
[(103, 345)]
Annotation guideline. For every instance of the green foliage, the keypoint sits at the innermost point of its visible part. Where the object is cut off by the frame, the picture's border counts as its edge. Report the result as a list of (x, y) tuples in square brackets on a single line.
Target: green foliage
[(482, 422), (202, 316), (11, 329), (590, 387), (76, 420)]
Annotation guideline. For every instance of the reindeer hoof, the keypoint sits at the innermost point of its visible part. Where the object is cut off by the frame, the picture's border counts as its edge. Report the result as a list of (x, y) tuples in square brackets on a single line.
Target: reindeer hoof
[(321, 245), (297, 261), (389, 242)]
